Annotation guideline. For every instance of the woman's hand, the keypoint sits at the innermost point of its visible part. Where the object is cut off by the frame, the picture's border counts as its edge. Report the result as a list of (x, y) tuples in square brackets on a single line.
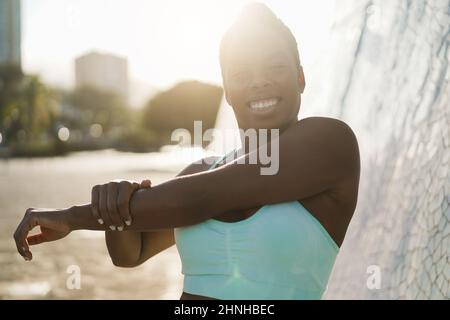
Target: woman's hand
[(111, 202), (53, 224)]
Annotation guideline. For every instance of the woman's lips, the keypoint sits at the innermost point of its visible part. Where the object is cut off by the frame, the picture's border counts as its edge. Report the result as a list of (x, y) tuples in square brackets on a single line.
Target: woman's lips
[(264, 106)]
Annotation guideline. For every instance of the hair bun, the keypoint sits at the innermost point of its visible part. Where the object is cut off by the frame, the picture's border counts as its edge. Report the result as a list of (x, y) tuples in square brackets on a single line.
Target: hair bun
[(256, 11)]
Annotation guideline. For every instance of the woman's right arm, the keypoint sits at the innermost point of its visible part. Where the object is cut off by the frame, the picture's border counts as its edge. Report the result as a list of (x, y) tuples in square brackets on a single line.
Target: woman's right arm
[(131, 248)]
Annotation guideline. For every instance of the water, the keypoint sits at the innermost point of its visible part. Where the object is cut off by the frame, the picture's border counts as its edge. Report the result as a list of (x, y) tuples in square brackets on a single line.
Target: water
[(64, 181)]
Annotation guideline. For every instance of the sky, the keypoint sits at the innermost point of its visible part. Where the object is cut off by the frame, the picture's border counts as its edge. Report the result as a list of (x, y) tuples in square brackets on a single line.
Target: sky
[(165, 41)]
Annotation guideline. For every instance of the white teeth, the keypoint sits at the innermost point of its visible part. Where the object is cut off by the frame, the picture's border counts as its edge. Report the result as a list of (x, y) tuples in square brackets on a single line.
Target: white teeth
[(263, 104)]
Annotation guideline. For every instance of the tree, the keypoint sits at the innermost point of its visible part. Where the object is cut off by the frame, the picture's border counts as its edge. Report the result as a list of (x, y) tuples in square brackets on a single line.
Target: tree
[(180, 106), (99, 107), (26, 106)]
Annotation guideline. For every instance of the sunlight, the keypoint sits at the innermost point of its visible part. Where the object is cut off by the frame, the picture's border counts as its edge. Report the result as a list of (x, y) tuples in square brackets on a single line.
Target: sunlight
[(164, 41)]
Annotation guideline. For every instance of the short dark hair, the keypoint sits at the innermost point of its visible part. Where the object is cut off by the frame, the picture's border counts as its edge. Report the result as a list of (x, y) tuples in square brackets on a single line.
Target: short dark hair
[(257, 14)]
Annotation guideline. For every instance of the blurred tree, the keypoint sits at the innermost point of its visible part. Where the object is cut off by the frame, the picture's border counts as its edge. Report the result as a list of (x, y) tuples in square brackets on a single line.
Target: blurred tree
[(27, 108), (38, 108), (11, 77), (180, 106), (31, 115), (94, 106)]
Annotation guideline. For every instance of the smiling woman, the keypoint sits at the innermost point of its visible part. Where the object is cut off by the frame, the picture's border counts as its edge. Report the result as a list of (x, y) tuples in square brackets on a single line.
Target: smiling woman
[(264, 76), (240, 234)]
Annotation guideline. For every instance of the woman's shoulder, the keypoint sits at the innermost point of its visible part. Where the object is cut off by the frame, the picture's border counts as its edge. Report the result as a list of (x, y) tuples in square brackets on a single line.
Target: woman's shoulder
[(330, 132), (334, 134), (325, 122)]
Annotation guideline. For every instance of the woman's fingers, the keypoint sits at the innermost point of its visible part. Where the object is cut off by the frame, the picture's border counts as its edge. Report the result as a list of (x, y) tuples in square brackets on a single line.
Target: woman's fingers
[(29, 221), (36, 239), (20, 240), (95, 194), (126, 189), (53, 226), (103, 206), (111, 200), (146, 183)]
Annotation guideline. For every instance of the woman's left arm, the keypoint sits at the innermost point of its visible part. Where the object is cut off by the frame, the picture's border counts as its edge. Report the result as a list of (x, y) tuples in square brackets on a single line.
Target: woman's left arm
[(314, 156)]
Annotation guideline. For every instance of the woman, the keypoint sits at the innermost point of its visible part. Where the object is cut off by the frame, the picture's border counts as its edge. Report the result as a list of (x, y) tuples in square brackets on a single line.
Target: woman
[(240, 234)]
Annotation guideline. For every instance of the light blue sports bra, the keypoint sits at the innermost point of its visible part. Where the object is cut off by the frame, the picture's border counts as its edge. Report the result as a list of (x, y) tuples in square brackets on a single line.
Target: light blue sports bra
[(280, 252)]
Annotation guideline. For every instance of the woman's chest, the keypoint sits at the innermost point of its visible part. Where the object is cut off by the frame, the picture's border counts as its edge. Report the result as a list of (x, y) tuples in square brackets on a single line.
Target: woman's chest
[(322, 207), (316, 205)]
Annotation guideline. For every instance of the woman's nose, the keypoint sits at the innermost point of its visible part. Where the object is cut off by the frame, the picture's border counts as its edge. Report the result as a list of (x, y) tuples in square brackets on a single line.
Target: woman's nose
[(259, 80)]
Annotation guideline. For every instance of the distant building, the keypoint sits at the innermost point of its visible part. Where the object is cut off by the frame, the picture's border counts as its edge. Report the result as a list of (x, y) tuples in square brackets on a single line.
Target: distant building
[(10, 26), (102, 71)]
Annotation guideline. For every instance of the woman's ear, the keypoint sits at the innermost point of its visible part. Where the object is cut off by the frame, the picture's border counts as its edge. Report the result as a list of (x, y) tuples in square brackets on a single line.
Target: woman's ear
[(301, 79)]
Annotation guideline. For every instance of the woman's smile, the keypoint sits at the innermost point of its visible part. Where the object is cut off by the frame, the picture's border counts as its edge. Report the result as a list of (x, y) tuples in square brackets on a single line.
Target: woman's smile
[(264, 106)]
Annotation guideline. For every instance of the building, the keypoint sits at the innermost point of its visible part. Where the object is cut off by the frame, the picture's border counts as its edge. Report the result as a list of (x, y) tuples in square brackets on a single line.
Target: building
[(102, 71), (10, 29)]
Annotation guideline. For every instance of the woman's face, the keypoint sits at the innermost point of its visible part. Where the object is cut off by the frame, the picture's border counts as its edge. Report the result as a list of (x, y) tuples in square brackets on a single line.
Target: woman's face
[(262, 82)]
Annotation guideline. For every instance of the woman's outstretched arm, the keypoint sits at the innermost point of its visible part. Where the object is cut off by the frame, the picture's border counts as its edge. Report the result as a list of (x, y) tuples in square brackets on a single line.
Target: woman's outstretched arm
[(315, 156)]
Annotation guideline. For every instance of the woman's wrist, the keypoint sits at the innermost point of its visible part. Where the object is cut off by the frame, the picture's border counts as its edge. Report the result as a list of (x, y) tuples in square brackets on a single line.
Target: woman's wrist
[(172, 204), (70, 216), (80, 217)]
